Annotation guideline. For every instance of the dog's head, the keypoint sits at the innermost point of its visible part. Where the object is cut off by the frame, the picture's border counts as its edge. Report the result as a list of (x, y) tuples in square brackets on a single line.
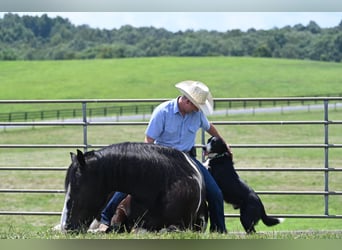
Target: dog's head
[(215, 146)]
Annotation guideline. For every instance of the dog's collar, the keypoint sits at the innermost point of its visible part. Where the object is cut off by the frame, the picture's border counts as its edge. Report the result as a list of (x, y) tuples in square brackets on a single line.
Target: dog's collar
[(212, 156)]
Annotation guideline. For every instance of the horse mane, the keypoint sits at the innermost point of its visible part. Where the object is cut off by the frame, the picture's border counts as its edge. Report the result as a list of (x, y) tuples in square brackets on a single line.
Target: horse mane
[(135, 157)]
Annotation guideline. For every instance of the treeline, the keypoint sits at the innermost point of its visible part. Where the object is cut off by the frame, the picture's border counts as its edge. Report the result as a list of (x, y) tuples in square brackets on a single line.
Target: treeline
[(45, 38)]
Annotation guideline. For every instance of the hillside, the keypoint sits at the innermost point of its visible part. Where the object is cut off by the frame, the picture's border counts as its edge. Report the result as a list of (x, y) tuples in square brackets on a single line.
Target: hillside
[(155, 77)]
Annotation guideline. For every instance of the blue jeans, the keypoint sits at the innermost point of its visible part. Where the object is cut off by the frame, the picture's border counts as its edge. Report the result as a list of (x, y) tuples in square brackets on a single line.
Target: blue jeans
[(214, 198), (109, 211)]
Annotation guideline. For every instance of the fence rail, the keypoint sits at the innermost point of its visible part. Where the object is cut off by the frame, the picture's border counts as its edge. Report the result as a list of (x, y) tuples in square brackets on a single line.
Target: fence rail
[(142, 108), (85, 122)]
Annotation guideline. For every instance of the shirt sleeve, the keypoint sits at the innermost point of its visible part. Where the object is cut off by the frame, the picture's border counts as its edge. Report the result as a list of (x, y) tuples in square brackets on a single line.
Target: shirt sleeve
[(156, 125)]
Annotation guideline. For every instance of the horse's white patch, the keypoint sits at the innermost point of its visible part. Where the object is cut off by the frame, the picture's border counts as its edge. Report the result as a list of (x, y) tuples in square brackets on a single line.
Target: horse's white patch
[(65, 209), (197, 177), (94, 225)]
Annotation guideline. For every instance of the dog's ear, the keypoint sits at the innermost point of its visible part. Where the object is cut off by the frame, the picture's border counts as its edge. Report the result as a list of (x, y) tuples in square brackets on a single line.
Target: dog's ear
[(227, 149)]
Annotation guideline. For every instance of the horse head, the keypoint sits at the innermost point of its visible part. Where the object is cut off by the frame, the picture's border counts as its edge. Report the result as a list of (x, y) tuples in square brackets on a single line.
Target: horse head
[(84, 198)]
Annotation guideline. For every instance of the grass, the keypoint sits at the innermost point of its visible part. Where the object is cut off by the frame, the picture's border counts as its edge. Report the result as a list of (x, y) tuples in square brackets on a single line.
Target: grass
[(155, 78)]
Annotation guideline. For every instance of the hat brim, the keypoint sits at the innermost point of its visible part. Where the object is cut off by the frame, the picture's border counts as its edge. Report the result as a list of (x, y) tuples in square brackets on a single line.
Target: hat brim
[(206, 108)]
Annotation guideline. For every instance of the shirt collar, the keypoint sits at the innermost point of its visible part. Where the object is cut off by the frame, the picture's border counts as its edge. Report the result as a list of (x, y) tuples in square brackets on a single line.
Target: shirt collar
[(175, 105)]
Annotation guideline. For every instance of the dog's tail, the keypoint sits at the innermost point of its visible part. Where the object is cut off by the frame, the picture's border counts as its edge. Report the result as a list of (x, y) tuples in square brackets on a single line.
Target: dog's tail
[(269, 220)]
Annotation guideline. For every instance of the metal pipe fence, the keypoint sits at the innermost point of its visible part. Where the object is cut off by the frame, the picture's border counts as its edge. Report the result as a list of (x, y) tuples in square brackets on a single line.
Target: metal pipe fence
[(85, 123), (132, 108)]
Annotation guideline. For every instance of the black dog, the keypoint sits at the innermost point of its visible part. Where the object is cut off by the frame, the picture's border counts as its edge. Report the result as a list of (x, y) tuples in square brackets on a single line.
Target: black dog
[(234, 190)]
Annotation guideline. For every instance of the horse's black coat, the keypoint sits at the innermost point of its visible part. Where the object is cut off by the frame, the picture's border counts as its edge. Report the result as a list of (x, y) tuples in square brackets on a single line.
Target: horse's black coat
[(166, 187), (235, 191)]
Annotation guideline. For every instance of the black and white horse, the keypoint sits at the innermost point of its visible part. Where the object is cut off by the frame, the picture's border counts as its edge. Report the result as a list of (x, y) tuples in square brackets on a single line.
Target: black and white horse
[(167, 188)]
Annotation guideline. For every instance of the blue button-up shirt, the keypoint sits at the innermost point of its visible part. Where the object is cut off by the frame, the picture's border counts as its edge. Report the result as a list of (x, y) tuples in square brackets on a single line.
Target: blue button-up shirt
[(170, 128)]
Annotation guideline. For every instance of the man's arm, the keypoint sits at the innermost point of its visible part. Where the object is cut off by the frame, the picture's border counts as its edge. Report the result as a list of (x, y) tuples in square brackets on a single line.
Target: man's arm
[(149, 139), (213, 132)]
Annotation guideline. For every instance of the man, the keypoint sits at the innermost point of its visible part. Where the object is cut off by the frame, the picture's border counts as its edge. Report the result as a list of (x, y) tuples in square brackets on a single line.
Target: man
[(174, 124)]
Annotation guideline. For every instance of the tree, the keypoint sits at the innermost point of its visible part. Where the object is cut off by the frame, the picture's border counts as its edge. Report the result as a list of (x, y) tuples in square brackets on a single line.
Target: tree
[(7, 54), (41, 37), (313, 27), (340, 26), (262, 51)]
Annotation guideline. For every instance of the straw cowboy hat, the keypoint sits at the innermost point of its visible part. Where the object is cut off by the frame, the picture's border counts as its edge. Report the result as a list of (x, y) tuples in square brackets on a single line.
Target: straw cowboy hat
[(198, 93)]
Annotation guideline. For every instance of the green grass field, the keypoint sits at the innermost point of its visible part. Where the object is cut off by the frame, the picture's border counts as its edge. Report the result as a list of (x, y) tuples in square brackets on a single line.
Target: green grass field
[(155, 77)]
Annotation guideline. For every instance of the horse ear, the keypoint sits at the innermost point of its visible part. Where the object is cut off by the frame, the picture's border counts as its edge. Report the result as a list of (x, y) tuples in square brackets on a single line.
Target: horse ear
[(73, 156), (80, 158)]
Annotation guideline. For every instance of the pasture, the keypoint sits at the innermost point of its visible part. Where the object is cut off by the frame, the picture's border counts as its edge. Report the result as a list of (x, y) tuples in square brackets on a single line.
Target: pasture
[(227, 77), (155, 78)]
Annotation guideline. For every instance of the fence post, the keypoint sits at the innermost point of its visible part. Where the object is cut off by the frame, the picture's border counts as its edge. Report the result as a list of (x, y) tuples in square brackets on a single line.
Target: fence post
[(326, 156), (85, 128), (203, 143)]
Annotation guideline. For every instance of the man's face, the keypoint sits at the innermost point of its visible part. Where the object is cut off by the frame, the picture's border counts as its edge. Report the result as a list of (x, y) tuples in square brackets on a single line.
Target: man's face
[(190, 107)]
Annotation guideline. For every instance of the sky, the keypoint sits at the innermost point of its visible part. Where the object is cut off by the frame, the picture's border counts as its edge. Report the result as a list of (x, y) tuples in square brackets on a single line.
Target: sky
[(181, 21)]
